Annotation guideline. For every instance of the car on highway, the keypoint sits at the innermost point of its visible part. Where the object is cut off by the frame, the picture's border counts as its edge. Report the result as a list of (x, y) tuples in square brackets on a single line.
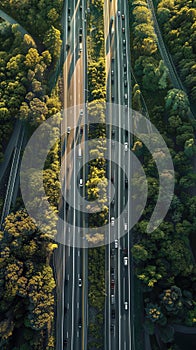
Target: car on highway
[(112, 221), (126, 305), (123, 16), (112, 327), (112, 283), (112, 252), (69, 18), (81, 112), (113, 314), (123, 29), (112, 19), (112, 98), (113, 132), (126, 146), (69, 10), (118, 13), (112, 270), (125, 251), (67, 279), (125, 226), (68, 130), (80, 31), (112, 299), (112, 202), (112, 72), (125, 260), (124, 41), (125, 83), (80, 323), (125, 96), (79, 152), (125, 67), (81, 183), (80, 38), (65, 342), (116, 243), (79, 282), (126, 182), (67, 47)]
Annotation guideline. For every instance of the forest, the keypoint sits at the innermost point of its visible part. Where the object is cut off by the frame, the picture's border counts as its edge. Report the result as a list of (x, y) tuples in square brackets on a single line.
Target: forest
[(27, 284), (165, 258)]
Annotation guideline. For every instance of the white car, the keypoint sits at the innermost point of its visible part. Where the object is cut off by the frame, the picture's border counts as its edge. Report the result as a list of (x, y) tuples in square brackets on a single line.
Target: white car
[(118, 13), (126, 146), (125, 226), (81, 182), (79, 152), (125, 259), (112, 299), (116, 243), (79, 282), (112, 221), (126, 305), (68, 129)]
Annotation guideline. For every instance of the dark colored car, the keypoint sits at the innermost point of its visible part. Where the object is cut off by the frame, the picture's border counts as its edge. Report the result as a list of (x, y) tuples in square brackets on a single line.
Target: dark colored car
[(112, 284), (112, 252), (113, 314), (112, 327)]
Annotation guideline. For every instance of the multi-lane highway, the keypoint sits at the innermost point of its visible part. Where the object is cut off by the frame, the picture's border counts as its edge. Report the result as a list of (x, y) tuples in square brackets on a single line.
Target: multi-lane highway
[(71, 261), (72, 293), (119, 332)]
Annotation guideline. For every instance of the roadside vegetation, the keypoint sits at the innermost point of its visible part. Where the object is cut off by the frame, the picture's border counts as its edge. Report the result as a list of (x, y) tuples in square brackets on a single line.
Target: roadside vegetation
[(164, 260), (178, 25), (27, 285), (97, 181)]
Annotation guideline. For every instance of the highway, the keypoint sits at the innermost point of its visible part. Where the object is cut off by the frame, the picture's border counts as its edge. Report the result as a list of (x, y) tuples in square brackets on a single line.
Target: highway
[(19, 140), (15, 146), (71, 261), (119, 281)]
